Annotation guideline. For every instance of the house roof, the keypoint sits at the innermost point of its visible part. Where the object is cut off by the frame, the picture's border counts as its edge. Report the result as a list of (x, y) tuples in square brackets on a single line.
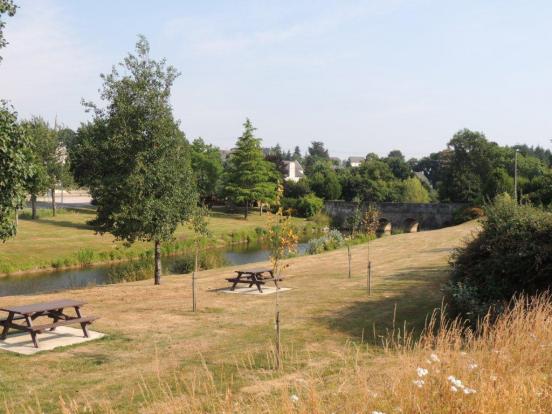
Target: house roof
[(356, 159), (298, 168)]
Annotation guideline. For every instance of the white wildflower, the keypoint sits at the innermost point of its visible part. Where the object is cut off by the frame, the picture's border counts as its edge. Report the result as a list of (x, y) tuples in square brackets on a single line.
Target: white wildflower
[(422, 372), (378, 412), (463, 353), (434, 358), (455, 381), (494, 377), (453, 388), (294, 398), (469, 391), (472, 366), (418, 383)]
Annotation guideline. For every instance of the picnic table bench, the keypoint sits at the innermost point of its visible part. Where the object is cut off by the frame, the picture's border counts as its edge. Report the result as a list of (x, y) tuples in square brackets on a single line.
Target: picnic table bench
[(53, 310), (255, 277)]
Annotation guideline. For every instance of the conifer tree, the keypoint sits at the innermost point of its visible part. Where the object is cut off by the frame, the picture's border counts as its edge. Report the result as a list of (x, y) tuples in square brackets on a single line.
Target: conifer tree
[(248, 177)]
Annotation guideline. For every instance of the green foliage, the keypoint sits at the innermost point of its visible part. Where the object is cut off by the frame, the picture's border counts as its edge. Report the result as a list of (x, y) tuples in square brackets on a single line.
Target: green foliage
[(207, 167), (323, 181), (7, 7), (15, 169), (512, 254), (248, 177), (207, 259), (414, 192), (330, 241), (137, 160), (309, 205), (131, 271), (469, 213), (296, 189), (45, 156)]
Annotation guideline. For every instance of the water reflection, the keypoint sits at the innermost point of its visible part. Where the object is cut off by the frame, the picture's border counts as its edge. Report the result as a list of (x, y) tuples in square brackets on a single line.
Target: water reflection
[(76, 278)]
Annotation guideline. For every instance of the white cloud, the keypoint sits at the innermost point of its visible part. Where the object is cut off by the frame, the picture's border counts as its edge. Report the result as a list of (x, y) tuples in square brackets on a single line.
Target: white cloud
[(46, 70)]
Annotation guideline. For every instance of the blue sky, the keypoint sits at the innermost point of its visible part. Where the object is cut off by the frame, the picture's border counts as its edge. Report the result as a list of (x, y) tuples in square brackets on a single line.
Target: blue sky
[(363, 76)]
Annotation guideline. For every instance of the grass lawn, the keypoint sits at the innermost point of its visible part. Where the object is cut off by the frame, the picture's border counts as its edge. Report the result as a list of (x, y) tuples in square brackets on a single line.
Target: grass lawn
[(155, 342), (58, 241)]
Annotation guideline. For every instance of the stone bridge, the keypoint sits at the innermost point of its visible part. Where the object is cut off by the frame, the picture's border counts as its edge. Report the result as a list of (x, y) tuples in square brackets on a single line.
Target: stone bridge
[(408, 217)]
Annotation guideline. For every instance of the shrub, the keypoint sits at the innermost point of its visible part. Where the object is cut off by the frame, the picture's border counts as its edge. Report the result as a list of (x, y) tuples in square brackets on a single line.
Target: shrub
[(309, 205), (511, 254), (131, 271), (330, 241), (466, 214), (208, 259), (85, 257)]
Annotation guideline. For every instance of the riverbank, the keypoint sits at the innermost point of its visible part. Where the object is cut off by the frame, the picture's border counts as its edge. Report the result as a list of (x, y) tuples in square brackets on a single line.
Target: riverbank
[(66, 241), (158, 356)]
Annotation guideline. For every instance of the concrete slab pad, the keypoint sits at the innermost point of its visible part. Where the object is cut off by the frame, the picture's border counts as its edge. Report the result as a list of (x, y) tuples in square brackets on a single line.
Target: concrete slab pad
[(254, 291), (21, 343)]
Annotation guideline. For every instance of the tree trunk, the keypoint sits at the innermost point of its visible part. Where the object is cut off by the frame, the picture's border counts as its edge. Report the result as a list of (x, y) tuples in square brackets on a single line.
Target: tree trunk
[(246, 209), (349, 257), (16, 218), (53, 201), (194, 303), (261, 209), (33, 206), (157, 275)]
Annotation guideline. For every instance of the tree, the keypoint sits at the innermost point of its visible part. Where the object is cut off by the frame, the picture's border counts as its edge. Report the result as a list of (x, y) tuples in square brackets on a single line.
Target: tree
[(316, 152), (9, 8), (414, 192), (140, 176), (248, 177), (208, 169), (276, 156), (324, 182), (47, 160), (15, 169), (198, 223), (296, 156)]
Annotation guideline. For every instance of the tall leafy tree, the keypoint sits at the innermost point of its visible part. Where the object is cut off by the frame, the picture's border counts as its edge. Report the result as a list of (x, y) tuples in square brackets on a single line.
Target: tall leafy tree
[(47, 160), (140, 175), (248, 177), (296, 156), (324, 181), (316, 152), (208, 169), (15, 169)]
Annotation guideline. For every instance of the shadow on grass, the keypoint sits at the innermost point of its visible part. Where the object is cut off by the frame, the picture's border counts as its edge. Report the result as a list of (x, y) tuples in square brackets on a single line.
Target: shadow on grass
[(403, 300), (63, 223)]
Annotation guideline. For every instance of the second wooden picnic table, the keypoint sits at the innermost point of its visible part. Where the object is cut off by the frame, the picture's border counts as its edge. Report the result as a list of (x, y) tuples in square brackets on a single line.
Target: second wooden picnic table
[(255, 277)]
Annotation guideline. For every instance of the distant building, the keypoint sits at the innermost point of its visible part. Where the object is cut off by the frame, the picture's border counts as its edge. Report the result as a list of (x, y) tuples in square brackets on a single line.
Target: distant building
[(355, 161), (293, 171)]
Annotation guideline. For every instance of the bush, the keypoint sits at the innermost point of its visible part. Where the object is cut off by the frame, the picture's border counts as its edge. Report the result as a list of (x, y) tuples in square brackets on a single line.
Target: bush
[(309, 205), (208, 259), (131, 271), (466, 214), (330, 241), (512, 254)]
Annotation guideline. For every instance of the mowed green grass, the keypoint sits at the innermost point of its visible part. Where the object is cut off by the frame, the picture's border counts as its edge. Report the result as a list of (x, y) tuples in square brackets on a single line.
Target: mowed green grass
[(157, 348), (58, 240)]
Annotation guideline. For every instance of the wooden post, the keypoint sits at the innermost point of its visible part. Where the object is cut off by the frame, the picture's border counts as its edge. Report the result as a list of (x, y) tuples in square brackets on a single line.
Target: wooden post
[(349, 257), (278, 362), (369, 278), (194, 304), (157, 274)]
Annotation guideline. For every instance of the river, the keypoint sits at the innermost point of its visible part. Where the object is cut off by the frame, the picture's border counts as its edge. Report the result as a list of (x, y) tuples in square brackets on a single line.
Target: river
[(43, 282)]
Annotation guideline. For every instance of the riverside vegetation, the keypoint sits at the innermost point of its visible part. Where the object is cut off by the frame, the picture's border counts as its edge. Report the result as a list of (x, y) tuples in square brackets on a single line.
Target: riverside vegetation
[(67, 240)]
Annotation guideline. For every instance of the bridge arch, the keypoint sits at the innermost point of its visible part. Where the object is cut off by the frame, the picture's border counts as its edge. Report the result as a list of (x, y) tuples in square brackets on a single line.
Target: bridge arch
[(411, 225), (384, 227)]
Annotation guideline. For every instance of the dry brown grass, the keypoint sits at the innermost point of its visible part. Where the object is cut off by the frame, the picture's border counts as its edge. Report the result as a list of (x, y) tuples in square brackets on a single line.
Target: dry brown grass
[(504, 367), (159, 357)]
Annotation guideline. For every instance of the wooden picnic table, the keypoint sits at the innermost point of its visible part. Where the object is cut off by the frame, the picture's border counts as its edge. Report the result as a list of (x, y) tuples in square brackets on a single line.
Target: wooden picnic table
[(255, 277), (53, 310)]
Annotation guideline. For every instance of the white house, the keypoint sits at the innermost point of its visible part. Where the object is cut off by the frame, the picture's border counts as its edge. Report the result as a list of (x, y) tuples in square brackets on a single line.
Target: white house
[(294, 171), (355, 161)]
